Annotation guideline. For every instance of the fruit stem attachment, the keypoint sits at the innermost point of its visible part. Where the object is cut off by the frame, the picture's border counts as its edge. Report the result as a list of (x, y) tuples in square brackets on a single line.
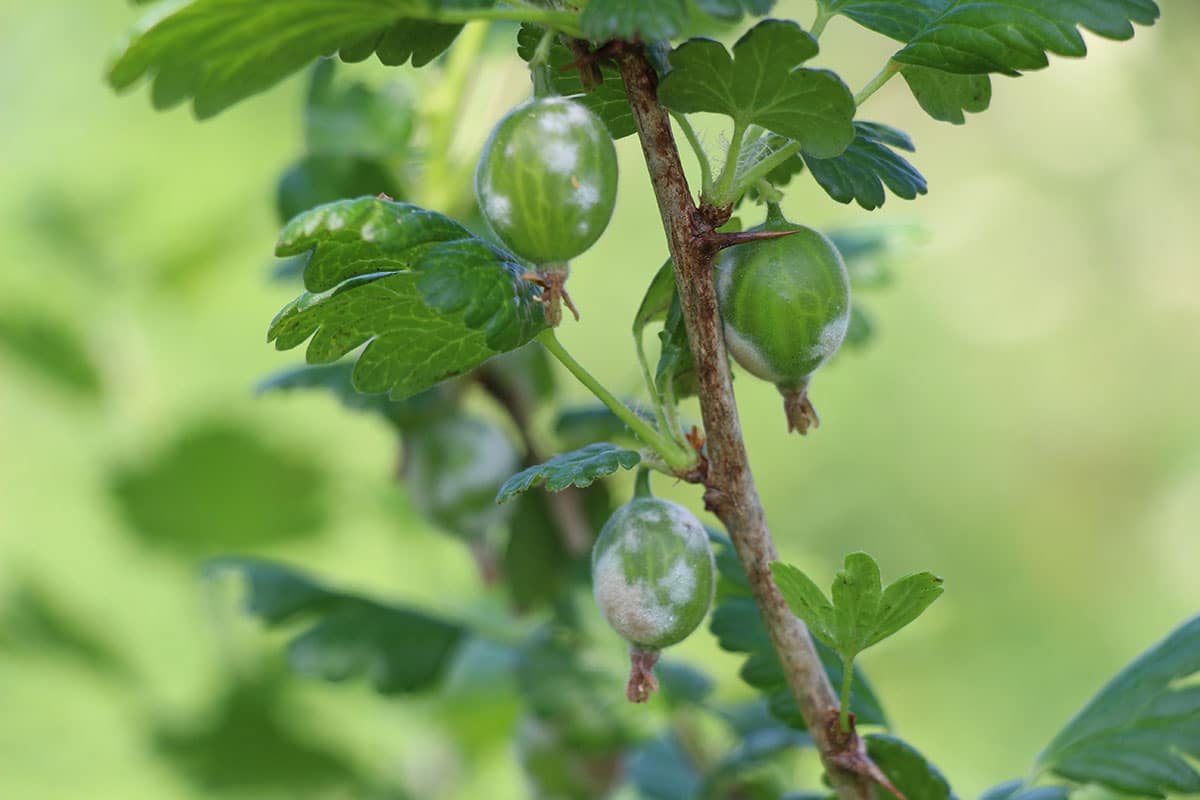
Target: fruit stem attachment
[(799, 410), (675, 456), (642, 682), (641, 487)]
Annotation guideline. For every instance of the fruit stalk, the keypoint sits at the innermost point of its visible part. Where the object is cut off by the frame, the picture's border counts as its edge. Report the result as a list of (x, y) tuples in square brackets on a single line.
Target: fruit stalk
[(731, 493)]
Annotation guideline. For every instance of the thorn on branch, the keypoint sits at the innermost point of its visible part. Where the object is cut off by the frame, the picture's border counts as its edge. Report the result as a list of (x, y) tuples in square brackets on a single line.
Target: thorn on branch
[(849, 754), (717, 241)]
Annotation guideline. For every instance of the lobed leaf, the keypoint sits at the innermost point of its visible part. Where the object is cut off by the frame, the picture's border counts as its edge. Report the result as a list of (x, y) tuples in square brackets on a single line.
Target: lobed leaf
[(762, 83), (1137, 734), (398, 649), (945, 95), (579, 468), (644, 20), (867, 165), (217, 52), (911, 772), (429, 300)]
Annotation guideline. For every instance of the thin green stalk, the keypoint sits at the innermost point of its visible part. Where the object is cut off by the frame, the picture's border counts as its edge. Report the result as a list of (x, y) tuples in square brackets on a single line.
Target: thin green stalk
[(763, 168), (443, 111), (655, 398), (823, 17), (689, 133), (565, 21), (539, 65), (722, 194), (844, 712), (671, 408), (889, 71), (675, 456), (767, 191)]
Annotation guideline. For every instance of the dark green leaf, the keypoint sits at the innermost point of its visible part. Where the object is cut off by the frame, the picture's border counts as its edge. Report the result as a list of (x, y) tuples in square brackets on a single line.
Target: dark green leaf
[(645, 20), (739, 628), (676, 372), (657, 300), (317, 180), (415, 412), (762, 83), (1005, 36), (396, 649), (536, 563), (912, 774), (579, 427), (217, 487), (218, 52), (661, 770), (869, 163), (578, 468), (608, 100), (1134, 736), (682, 684), (946, 95), (429, 300), (51, 349)]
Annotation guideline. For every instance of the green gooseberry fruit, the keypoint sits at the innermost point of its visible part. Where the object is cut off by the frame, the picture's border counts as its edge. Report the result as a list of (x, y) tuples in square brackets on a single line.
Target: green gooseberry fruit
[(785, 303)]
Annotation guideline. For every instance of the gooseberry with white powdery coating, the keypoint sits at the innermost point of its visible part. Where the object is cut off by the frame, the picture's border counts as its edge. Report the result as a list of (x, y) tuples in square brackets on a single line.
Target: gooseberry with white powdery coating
[(785, 303), (653, 577), (547, 185)]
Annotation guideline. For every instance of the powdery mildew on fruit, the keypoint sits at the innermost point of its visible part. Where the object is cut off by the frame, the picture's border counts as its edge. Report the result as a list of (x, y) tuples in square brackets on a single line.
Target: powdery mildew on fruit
[(749, 355), (561, 156), (633, 610), (831, 337), (499, 207)]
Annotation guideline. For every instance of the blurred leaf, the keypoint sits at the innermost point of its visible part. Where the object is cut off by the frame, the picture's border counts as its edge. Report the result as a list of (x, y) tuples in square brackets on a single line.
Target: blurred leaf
[(535, 560), (31, 618), (1136, 734), (430, 300), (1015, 790), (523, 378), (733, 9), (218, 52), (869, 163), (861, 329), (248, 742), (49, 348), (397, 649), (661, 770), (583, 425), (763, 84), (608, 100), (739, 628), (1004, 36), (682, 684), (862, 613), (676, 369), (356, 120), (753, 769), (217, 487), (915, 777), (945, 95), (317, 180), (417, 411), (578, 468)]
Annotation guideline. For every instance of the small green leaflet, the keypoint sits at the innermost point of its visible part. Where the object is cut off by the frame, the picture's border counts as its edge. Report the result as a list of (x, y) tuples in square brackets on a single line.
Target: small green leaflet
[(862, 613), (945, 95), (739, 628), (579, 468), (429, 300), (1004, 36), (1136, 735), (762, 83), (397, 649), (870, 162), (912, 774), (218, 52), (608, 100)]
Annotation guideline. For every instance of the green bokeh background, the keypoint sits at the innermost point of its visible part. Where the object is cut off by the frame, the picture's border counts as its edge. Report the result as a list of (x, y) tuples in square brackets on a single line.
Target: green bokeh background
[(1025, 424)]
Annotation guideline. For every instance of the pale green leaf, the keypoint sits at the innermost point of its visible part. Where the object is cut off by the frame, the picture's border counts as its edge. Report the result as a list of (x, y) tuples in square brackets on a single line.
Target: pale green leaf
[(762, 83), (806, 600), (579, 468)]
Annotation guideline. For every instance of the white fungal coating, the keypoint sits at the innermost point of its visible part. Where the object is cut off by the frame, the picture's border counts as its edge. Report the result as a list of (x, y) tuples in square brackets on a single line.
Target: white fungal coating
[(370, 232), (586, 196), (749, 355), (499, 208), (633, 610), (561, 156), (831, 337)]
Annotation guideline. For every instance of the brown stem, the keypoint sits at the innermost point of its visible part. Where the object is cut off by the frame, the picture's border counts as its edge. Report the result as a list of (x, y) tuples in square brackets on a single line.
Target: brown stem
[(731, 494)]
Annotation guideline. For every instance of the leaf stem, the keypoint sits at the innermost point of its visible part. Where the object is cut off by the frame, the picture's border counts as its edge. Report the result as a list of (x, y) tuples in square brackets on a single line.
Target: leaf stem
[(847, 680), (651, 387), (689, 133), (673, 454), (889, 71), (822, 19), (722, 194), (763, 168)]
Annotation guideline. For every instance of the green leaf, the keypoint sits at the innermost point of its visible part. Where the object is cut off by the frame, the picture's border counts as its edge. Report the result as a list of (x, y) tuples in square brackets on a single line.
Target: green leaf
[(218, 52), (580, 426), (676, 366), (397, 649), (217, 486), (913, 775), (657, 300), (317, 180), (51, 349), (1015, 790), (429, 300), (734, 9), (739, 628), (762, 83), (682, 684), (645, 20), (579, 468), (417, 411), (660, 769), (869, 163), (945, 95), (1004, 36), (1136, 734), (608, 100), (862, 613)]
